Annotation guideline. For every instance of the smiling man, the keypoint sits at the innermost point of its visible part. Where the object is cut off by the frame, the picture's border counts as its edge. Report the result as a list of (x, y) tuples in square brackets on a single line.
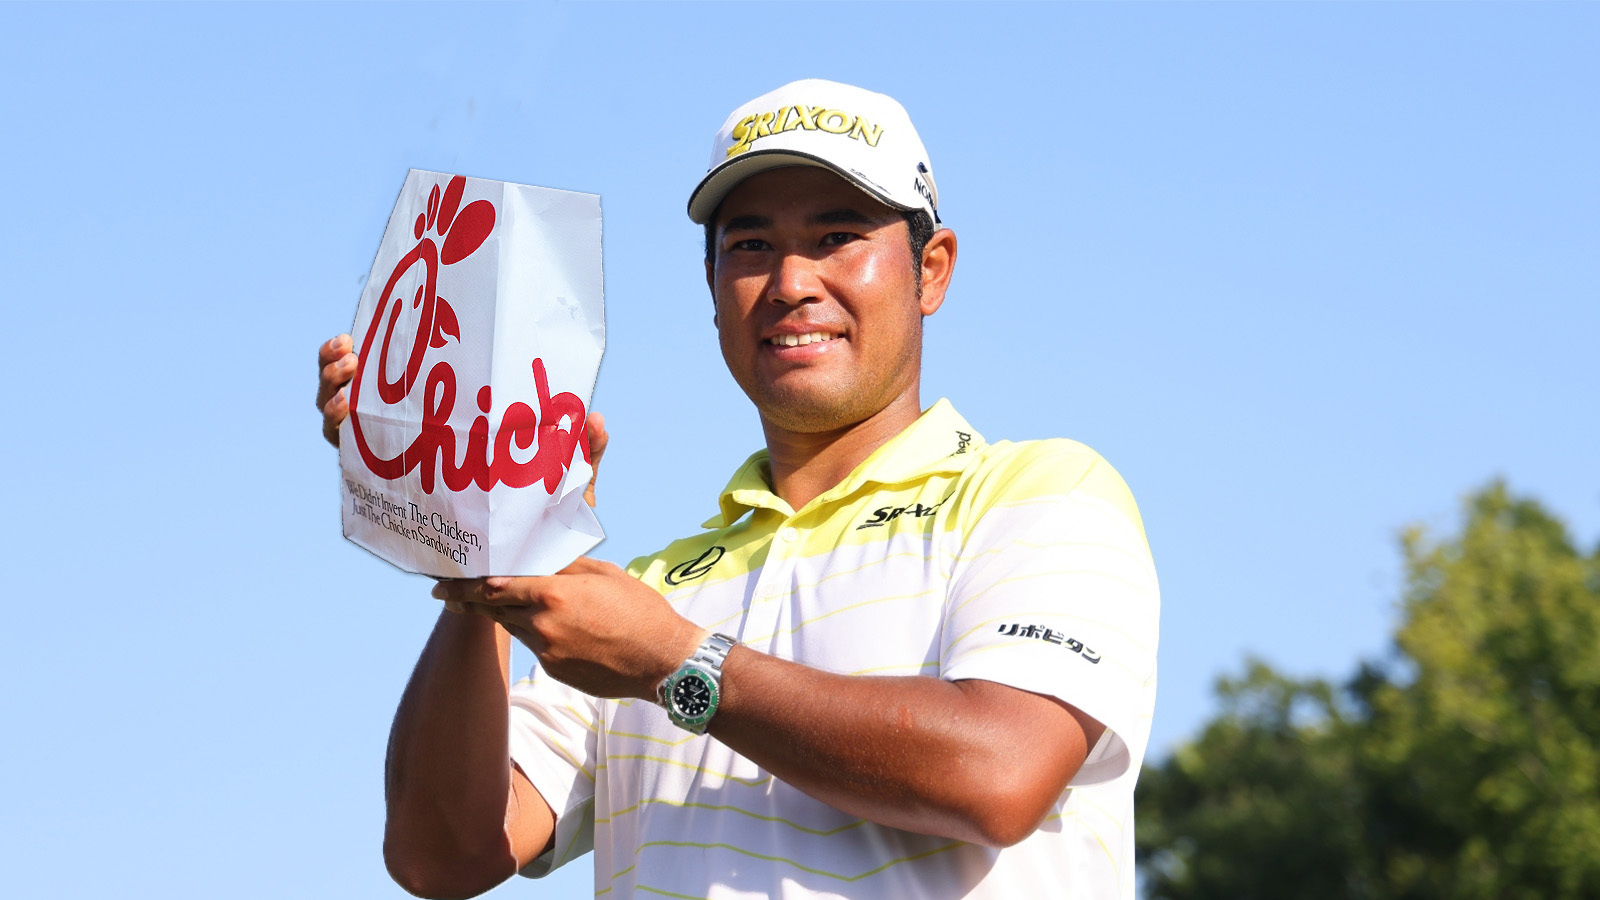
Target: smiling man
[(901, 661)]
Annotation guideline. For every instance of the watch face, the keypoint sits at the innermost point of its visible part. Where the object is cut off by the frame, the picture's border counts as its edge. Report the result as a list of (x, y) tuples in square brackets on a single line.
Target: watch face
[(691, 696)]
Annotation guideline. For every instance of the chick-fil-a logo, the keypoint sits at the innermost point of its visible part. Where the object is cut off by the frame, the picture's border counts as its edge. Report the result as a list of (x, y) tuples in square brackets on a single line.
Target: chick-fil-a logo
[(464, 229)]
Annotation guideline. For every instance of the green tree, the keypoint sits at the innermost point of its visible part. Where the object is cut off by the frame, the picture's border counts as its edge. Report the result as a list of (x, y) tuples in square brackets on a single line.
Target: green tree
[(1466, 765)]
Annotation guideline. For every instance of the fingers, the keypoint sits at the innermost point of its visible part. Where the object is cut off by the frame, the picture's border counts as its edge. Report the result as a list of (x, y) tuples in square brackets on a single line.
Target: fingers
[(333, 414), (337, 362), (540, 591), (511, 617), (334, 349), (337, 359), (595, 431), (487, 592), (334, 376), (459, 593)]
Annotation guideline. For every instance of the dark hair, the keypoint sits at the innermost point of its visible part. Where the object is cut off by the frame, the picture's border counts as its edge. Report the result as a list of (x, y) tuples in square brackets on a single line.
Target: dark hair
[(919, 227)]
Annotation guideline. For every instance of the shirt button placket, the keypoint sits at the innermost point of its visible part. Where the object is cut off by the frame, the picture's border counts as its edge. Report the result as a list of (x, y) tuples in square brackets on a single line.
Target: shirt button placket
[(772, 587)]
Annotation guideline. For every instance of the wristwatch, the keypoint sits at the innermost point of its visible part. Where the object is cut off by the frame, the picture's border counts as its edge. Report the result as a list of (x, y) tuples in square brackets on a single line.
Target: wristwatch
[(690, 695)]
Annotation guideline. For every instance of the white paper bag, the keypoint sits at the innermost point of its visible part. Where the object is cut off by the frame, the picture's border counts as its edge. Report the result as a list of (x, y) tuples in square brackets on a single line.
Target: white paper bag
[(479, 335)]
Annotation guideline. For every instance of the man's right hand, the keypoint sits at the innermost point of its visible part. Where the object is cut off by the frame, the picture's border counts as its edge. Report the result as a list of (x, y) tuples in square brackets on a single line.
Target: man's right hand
[(336, 361)]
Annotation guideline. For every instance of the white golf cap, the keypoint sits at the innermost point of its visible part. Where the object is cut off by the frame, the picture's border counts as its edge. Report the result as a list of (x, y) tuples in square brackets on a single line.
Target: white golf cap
[(865, 137)]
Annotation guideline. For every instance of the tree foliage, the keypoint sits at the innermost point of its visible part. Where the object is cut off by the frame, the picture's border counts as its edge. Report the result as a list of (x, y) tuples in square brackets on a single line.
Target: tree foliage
[(1466, 765)]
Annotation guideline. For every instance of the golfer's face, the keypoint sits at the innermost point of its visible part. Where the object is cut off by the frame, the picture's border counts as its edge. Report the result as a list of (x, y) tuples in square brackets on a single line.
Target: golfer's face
[(816, 300)]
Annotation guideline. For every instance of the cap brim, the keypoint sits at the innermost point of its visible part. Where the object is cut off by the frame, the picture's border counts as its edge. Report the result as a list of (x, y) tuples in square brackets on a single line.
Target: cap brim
[(721, 181)]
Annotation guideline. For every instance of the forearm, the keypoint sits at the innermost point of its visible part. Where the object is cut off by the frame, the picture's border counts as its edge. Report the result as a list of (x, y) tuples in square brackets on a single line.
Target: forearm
[(447, 777), (974, 760)]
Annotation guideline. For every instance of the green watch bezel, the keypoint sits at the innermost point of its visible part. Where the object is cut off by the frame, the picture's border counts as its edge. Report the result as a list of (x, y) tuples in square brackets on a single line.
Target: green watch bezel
[(696, 724)]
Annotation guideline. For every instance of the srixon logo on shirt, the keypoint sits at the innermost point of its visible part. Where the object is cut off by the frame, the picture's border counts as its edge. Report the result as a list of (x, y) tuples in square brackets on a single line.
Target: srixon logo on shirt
[(883, 515), (433, 450)]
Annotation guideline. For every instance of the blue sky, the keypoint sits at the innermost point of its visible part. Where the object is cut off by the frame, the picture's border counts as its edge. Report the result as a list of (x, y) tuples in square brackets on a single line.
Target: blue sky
[(1304, 273)]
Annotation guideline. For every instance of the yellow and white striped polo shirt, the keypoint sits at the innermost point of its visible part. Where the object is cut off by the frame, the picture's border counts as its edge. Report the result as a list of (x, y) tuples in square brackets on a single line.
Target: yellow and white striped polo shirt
[(940, 555)]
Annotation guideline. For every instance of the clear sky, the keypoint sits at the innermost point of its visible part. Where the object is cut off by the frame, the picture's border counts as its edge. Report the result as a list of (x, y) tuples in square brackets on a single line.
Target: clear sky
[(1304, 273)]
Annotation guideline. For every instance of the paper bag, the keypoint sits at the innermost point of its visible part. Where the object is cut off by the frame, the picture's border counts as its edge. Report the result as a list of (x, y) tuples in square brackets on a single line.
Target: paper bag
[(479, 335)]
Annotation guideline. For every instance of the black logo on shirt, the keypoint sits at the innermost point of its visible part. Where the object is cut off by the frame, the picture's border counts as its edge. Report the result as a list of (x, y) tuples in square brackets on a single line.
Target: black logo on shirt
[(1054, 637), (963, 441), (694, 568), (883, 515)]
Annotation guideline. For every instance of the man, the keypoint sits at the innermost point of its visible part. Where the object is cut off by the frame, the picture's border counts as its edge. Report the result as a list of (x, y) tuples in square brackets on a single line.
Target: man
[(901, 662)]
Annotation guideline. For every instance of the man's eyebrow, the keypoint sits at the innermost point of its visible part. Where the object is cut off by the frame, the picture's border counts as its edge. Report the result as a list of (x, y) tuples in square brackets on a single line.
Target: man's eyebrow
[(746, 223), (843, 216)]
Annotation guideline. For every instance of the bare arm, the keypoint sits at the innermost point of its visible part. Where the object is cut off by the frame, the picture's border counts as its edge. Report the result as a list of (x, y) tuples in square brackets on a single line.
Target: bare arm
[(971, 760), (461, 819)]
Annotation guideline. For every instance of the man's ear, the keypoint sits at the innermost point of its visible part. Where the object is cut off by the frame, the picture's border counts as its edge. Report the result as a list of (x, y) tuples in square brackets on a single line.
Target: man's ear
[(938, 264)]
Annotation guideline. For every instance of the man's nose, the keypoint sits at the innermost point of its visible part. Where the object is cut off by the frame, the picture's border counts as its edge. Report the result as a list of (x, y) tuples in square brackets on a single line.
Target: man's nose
[(795, 280)]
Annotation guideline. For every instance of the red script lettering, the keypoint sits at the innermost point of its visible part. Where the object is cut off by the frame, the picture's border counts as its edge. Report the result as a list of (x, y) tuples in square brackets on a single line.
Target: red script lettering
[(434, 449)]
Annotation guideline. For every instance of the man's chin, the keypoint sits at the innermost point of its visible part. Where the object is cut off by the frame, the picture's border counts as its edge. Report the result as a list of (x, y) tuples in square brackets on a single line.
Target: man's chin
[(819, 409), (809, 412)]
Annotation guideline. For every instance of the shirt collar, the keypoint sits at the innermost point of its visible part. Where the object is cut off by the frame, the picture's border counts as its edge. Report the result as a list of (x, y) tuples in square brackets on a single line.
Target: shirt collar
[(939, 441)]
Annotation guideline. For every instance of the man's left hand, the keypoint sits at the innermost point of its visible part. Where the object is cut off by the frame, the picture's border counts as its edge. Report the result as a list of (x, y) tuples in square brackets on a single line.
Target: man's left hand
[(592, 625)]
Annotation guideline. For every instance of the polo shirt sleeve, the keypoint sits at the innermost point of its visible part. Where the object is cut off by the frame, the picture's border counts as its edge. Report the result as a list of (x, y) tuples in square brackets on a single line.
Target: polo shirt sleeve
[(1053, 591), (552, 741)]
